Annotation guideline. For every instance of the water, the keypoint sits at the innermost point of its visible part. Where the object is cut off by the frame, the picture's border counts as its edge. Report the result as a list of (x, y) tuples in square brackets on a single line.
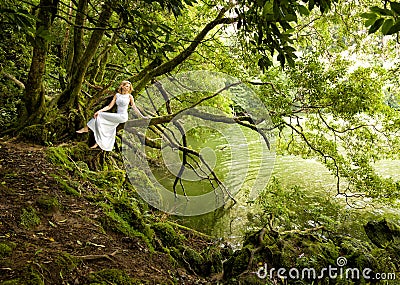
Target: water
[(229, 221)]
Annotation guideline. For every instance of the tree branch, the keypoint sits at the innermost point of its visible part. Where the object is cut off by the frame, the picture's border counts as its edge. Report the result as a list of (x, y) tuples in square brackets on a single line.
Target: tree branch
[(170, 65), (14, 79)]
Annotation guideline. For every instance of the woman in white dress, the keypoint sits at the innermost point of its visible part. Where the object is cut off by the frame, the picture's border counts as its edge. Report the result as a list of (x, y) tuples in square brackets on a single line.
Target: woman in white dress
[(104, 125)]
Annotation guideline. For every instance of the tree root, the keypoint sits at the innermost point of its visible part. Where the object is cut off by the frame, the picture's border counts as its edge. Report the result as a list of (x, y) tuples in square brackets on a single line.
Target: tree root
[(97, 256)]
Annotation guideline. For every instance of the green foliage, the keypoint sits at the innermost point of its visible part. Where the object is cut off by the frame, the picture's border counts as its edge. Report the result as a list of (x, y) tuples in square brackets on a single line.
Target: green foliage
[(338, 113), (19, 17), (386, 19), (268, 27), (295, 207), (9, 105)]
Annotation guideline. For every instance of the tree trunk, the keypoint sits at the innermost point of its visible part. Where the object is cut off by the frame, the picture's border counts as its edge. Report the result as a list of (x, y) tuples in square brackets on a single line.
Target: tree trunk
[(103, 59), (34, 100), (78, 42), (69, 98)]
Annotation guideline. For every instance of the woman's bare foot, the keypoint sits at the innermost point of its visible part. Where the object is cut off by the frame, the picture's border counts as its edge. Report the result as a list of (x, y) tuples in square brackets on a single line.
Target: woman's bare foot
[(94, 146), (83, 130)]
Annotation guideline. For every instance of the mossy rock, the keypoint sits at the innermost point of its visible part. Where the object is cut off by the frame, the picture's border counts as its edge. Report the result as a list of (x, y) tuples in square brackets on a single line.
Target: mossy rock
[(67, 262), (48, 204), (112, 178), (315, 252), (130, 212), (37, 133), (29, 218), (59, 156), (357, 253), (201, 263), (168, 236), (69, 186), (382, 233), (112, 221), (213, 261), (6, 249), (190, 259), (112, 276), (237, 264)]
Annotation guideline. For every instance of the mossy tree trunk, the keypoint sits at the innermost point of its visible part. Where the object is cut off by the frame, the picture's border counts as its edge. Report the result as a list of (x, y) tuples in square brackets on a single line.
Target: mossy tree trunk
[(68, 101), (102, 60), (78, 37), (34, 96)]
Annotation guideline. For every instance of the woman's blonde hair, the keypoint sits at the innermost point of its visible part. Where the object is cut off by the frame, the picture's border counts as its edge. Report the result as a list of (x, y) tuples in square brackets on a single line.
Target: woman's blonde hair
[(123, 83)]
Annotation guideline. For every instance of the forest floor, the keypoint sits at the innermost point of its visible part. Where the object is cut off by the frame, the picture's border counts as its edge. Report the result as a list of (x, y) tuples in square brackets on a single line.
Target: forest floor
[(64, 243)]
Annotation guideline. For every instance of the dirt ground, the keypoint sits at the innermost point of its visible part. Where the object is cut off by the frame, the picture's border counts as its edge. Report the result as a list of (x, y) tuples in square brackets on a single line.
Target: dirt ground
[(67, 244)]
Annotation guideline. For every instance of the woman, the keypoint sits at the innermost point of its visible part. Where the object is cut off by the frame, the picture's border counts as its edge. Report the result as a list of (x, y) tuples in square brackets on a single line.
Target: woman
[(104, 125)]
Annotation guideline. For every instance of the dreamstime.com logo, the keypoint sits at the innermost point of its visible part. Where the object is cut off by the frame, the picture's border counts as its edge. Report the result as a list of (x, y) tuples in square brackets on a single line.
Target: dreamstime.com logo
[(340, 271), (199, 102)]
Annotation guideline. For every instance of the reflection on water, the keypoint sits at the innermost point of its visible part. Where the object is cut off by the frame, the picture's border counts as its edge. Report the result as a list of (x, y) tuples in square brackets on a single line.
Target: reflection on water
[(389, 169), (229, 221)]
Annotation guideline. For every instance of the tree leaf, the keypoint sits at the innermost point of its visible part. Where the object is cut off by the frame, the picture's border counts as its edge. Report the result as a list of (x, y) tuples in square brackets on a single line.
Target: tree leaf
[(369, 22), (369, 15), (394, 29), (395, 7), (378, 10), (303, 10), (375, 26), (387, 25), (311, 5)]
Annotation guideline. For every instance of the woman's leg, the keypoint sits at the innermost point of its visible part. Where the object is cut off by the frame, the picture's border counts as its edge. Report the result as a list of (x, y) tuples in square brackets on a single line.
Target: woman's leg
[(94, 146), (85, 129)]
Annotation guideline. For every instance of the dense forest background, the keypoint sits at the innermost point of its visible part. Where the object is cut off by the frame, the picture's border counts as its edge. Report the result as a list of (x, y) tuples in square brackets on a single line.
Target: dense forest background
[(326, 71)]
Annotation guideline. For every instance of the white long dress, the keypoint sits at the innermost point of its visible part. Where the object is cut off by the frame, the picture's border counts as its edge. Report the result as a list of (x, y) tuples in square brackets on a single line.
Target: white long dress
[(105, 125)]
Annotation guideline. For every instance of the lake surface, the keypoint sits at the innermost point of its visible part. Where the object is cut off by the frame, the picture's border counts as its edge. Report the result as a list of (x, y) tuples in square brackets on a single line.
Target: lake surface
[(250, 172)]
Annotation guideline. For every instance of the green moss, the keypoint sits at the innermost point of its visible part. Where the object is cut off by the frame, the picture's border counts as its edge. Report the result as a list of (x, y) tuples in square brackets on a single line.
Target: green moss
[(237, 263), (29, 218), (116, 177), (82, 166), (213, 260), (112, 276), (112, 221), (6, 249), (28, 276), (382, 233), (48, 204), (129, 211), (357, 253), (59, 156), (166, 233), (67, 263), (191, 259), (37, 133), (66, 186), (12, 282), (32, 277)]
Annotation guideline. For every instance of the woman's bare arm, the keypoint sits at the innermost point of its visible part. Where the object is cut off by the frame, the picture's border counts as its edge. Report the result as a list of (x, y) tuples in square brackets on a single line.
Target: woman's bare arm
[(108, 107), (137, 111)]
